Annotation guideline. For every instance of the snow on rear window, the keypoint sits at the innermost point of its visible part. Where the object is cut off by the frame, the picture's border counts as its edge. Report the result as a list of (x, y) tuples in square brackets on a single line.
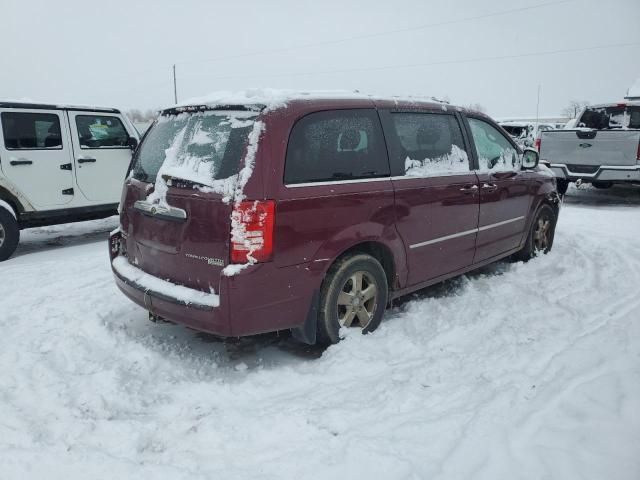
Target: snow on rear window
[(203, 149)]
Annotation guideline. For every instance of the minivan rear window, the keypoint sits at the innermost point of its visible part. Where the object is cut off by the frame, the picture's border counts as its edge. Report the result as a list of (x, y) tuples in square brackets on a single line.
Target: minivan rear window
[(336, 145), (202, 146)]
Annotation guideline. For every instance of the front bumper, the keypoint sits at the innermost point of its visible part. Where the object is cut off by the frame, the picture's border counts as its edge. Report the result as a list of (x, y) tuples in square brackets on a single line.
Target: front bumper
[(604, 173)]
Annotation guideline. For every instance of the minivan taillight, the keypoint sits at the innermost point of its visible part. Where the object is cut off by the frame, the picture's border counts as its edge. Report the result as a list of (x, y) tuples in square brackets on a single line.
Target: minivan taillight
[(252, 231), (538, 144), (638, 154)]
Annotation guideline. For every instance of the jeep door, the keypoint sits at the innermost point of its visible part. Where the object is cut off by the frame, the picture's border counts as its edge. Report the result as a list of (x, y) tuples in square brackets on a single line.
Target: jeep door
[(505, 190), (35, 155), (102, 154), (436, 191)]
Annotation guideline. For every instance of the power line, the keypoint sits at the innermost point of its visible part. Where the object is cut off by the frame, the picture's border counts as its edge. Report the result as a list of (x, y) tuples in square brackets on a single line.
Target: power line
[(376, 34), (430, 64)]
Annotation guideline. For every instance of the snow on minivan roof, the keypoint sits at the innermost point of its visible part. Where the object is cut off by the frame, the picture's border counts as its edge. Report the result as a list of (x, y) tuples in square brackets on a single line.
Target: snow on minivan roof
[(271, 99)]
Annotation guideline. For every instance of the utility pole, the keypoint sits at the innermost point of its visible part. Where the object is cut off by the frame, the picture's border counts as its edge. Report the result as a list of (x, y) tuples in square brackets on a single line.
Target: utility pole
[(537, 105), (175, 87)]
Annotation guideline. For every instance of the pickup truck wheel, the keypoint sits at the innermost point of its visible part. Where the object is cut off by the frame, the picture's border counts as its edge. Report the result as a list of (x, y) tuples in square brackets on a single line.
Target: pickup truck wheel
[(9, 234), (354, 294), (541, 234), (562, 185)]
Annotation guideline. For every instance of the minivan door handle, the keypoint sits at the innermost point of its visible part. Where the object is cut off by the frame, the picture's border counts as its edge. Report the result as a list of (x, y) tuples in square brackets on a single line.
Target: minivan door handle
[(469, 189), (86, 160), (20, 162), (503, 175)]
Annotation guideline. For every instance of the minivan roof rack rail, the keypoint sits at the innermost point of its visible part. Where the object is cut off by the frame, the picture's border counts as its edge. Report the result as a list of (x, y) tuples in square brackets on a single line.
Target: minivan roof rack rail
[(202, 108)]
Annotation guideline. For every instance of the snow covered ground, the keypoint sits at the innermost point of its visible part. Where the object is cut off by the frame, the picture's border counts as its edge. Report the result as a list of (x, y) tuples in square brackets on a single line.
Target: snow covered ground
[(519, 371)]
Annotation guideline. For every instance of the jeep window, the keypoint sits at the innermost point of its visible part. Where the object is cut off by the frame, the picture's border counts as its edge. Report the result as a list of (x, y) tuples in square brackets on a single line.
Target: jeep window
[(606, 118), (495, 152), (31, 131), (428, 144), (203, 146), (101, 131), (336, 145)]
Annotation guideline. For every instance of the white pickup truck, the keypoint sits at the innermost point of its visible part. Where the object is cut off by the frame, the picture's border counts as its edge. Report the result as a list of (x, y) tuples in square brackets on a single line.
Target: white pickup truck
[(602, 148), (59, 164)]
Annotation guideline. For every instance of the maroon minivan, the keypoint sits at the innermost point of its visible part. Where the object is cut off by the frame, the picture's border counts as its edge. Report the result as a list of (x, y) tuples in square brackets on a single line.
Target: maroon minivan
[(258, 213)]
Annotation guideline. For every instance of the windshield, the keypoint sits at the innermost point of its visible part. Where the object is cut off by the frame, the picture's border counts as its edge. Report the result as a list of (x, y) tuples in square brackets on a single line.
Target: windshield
[(198, 147), (604, 118)]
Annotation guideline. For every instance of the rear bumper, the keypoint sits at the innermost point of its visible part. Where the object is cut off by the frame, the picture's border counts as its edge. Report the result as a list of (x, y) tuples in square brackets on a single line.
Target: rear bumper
[(604, 173), (260, 299)]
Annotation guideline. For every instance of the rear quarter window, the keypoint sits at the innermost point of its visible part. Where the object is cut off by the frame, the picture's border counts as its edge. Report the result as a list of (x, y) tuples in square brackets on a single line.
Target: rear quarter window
[(336, 145)]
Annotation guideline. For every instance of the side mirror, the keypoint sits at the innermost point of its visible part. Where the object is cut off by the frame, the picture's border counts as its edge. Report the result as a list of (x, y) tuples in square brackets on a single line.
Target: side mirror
[(530, 158), (133, 143)]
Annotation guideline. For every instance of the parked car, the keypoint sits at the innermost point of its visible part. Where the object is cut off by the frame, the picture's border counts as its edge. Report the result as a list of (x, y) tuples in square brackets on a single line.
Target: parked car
[(312, 213), (526, 133), (59, 164), (601, 147)]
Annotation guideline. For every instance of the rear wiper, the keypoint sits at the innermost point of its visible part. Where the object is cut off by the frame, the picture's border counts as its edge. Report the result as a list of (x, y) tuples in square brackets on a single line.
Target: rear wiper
[(179, 182), (141, 175)]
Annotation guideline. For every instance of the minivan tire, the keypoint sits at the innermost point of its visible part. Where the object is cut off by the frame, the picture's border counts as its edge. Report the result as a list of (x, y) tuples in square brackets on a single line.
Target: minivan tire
[(9, 234), (340, 280), (540, 235)]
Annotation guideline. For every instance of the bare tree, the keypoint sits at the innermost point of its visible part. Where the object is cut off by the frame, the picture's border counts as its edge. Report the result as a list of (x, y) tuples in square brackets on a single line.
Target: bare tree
[(573, 109), (134, 115), (138, 116)]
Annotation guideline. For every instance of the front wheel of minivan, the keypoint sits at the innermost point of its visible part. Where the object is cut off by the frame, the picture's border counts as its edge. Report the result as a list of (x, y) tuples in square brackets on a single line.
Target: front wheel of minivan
[(541, 234), (354, 294)]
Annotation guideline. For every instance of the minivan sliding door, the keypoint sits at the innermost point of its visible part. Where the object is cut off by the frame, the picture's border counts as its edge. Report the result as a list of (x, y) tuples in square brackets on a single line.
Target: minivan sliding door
[(436, 192)]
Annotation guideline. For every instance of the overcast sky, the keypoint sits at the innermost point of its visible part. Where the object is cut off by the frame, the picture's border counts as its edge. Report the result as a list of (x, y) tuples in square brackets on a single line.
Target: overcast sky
[(120, 53)]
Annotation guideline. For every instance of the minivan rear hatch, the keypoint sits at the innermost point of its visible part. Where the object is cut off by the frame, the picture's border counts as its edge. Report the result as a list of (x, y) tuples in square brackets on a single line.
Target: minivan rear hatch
[(185, 176)]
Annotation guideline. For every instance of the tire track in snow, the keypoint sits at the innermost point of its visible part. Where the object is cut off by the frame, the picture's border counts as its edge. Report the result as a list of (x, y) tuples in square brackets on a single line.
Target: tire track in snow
[(443, 388)]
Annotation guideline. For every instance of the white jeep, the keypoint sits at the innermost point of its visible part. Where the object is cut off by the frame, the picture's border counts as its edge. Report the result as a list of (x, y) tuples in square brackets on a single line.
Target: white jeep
[(59, 164)]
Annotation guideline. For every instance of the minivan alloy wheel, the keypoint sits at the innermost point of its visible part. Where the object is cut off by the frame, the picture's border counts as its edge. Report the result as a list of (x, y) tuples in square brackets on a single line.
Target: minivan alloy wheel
[(357, 300), (354, 293), (541, 234), (2, 234)]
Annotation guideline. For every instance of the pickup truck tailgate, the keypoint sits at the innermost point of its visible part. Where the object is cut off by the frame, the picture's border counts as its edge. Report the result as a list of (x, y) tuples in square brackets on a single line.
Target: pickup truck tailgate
[(590, 147)]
